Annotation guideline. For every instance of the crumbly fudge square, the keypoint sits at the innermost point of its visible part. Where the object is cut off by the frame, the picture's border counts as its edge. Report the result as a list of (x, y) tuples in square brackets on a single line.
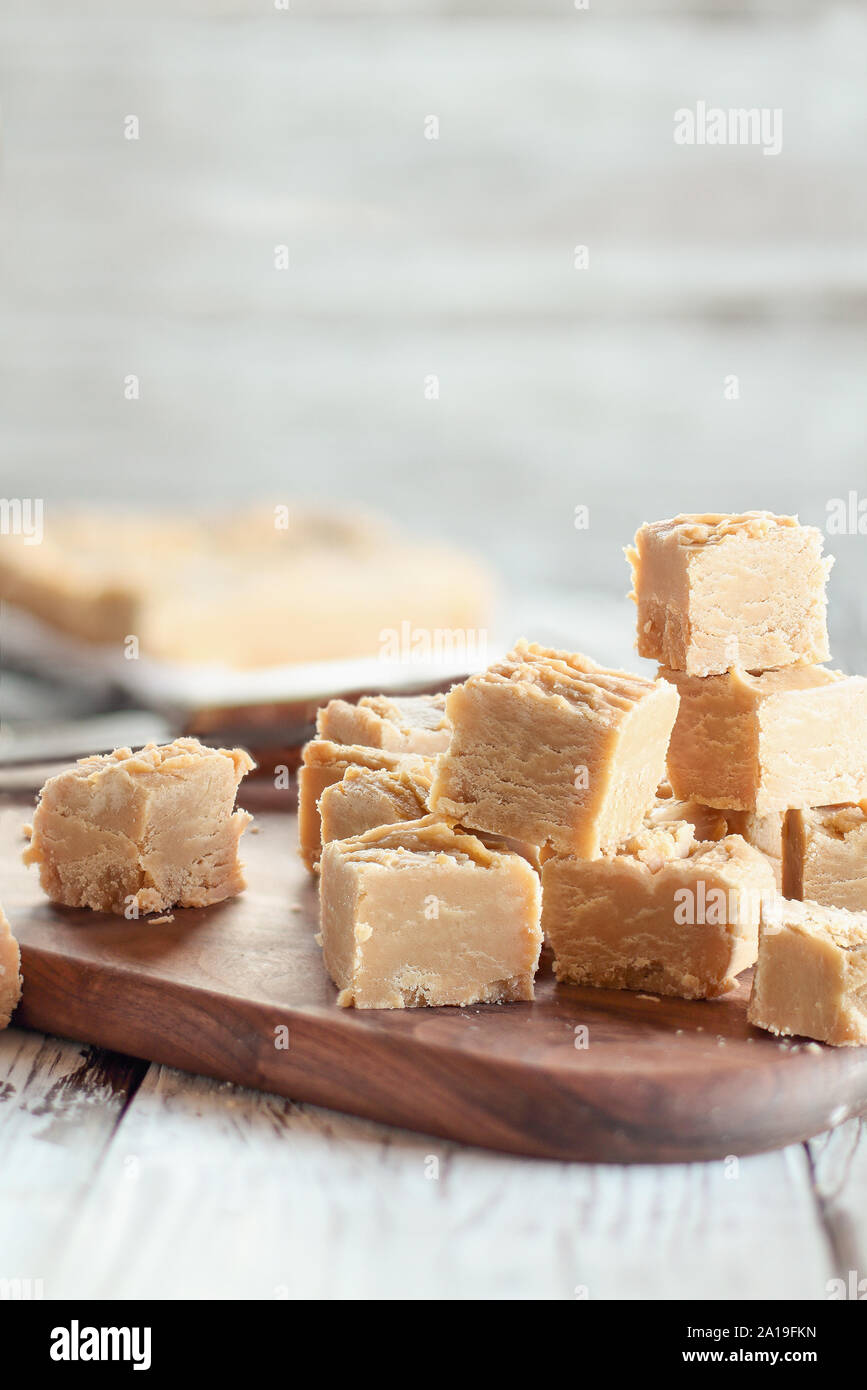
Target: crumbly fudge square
[(421, 913), (825, 855), (142, 831), (10, 971), (408, 724), (323, 764), (366, 798), (769, 740), (667, 914), (551, 749), (715, 591), (811, 974)]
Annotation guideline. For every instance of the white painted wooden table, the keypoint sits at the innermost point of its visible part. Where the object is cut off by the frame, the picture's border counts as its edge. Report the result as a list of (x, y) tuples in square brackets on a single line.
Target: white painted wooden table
[(123, 1180)]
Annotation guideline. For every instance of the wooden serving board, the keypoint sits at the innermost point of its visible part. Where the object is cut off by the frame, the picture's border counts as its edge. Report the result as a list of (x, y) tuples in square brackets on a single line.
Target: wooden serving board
[(660, 1080)]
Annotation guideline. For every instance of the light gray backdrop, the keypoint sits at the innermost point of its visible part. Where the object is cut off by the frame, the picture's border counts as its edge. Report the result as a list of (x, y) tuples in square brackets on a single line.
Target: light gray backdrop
[(411, 257)]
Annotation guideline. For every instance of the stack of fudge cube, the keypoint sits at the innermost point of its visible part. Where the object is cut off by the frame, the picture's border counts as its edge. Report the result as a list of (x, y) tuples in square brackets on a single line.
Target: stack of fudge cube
[(734, 609), (643, 827), (414, 909)]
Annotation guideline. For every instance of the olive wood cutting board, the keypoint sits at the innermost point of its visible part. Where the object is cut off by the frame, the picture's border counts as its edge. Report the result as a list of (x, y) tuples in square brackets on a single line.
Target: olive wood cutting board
[(214, 990)]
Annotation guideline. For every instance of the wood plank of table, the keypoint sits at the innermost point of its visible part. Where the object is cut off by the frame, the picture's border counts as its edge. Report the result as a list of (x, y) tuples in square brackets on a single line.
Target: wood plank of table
[(60, 1103), (211, 1191), (839, 1162)]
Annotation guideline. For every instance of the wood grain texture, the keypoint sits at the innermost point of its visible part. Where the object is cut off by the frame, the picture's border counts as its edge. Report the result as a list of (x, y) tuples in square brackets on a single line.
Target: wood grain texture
[(59, 1106), (660, 1080), (214, 1191), (839, 1174)]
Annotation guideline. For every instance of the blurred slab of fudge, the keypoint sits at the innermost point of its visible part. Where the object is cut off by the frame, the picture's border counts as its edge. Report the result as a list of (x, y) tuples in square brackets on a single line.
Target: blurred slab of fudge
[(259, 588)]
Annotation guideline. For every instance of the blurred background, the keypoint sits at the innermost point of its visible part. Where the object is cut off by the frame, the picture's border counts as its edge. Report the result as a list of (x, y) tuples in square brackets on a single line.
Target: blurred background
[(429, 342)]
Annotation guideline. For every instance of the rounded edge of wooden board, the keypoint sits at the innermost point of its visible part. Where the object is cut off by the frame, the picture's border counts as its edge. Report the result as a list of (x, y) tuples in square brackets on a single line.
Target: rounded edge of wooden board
[(517, 1107)]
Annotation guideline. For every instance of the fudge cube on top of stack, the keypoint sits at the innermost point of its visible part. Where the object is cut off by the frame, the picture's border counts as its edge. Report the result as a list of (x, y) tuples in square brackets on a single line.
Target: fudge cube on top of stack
[(147, 830), (424, 914), (715, 591), (10, 971), (549, 748)]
